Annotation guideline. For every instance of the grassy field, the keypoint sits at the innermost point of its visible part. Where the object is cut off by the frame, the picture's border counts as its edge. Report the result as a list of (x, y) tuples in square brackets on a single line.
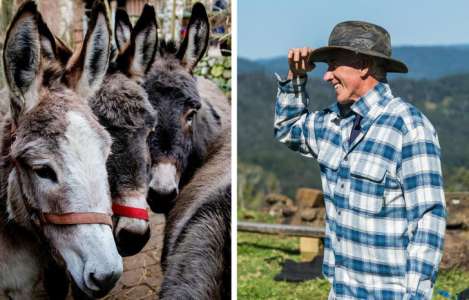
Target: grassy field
[(259, 259)]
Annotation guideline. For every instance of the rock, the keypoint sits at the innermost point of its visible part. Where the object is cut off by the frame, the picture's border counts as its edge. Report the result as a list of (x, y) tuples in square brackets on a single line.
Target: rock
[(276, 209), (289, 211), (204, 71), (308, 214), (217, 71), (273, 198), (227, 74), (458, 209), (309, 198), (227, 63)]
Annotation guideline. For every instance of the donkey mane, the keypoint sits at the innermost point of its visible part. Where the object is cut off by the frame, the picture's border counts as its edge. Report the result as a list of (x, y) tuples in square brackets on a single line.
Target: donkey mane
[(168, 48)]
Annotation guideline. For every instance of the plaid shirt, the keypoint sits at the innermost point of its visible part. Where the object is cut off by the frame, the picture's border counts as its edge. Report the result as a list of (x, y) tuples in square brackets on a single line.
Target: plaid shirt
[(383, 193)]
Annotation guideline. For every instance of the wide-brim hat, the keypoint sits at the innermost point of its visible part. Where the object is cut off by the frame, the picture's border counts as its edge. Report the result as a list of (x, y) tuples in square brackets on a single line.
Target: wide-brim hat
[(360, 37)]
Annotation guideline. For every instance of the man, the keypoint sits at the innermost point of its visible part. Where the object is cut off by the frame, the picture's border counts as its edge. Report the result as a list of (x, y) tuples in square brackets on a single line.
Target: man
[(380, 168)]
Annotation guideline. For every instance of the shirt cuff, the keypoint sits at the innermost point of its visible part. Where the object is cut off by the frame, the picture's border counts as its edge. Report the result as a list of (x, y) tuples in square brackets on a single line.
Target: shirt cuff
[(294, 85)]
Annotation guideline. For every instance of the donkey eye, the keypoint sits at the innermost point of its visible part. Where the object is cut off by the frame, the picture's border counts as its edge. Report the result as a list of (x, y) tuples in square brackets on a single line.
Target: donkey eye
[(45, 172), (190, 117)]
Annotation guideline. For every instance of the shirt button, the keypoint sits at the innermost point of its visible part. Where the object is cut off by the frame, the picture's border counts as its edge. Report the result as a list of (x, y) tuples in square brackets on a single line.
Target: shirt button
[(339, 212), (341, 185)]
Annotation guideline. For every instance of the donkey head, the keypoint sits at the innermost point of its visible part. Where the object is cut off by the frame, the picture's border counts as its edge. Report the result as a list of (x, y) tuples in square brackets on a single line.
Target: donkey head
[(122, 106), (173, 93), (58, 149)]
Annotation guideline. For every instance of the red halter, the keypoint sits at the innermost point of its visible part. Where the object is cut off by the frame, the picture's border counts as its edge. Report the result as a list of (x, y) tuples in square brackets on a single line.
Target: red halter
[(128, 211)]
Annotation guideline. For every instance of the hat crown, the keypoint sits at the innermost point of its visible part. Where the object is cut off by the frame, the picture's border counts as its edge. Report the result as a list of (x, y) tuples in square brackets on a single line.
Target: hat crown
[(361, 36)]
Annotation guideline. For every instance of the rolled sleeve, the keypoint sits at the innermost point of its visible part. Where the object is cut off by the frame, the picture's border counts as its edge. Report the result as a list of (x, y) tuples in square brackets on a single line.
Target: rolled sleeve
[(422, 182), (293, 124)]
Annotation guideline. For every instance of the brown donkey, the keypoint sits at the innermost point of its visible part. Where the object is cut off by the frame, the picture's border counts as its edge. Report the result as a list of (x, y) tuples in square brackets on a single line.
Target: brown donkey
[(191, 169), (54, 193)]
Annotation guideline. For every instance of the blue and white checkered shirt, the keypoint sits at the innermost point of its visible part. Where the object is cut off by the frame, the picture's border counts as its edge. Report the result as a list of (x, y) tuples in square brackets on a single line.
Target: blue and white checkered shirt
[(384, 199)]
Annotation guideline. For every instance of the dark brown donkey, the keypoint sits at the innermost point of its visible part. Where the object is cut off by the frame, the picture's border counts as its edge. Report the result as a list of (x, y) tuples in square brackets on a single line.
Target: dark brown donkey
[(191, 172), (123, 108), (54, 193)]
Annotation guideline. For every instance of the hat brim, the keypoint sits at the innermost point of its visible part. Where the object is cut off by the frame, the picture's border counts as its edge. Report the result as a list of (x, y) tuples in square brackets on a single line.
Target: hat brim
[(323, 54)]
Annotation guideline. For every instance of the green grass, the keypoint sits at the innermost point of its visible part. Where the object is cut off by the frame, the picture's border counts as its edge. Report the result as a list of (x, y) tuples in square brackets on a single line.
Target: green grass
[(259, 259)]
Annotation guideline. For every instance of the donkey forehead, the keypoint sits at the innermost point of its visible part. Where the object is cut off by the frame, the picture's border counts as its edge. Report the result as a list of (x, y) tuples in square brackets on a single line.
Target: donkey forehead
[(179, 87), (122, 102), (43, 129)]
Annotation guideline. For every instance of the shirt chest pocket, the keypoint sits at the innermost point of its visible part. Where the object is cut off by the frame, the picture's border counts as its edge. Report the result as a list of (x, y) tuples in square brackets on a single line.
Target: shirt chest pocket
[(367, 186)]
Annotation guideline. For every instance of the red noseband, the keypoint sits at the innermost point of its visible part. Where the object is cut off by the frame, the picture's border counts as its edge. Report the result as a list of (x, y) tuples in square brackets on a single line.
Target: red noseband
[(130, 212)]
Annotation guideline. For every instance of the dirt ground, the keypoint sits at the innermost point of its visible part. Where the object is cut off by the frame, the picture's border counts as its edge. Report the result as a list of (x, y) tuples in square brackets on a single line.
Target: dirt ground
[(456, 250), (142, 272)]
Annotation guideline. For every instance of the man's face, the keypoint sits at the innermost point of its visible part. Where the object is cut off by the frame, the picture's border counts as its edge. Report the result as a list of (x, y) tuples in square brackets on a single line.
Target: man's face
[(344, 74)]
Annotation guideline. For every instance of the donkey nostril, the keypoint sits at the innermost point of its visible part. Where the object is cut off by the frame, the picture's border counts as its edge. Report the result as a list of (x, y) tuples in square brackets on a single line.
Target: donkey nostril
[(129, 243), (172, 194), (103, 281)]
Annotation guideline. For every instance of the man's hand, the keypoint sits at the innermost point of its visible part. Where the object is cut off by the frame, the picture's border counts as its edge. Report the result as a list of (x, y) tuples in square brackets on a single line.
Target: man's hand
[(299, 62)]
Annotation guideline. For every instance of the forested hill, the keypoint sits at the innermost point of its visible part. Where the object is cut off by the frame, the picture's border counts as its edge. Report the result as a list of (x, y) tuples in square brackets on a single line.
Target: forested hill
[(424, 62), (445, 101)]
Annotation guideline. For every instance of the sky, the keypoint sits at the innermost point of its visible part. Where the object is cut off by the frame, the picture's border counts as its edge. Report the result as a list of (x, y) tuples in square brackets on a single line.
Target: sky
[(268, 28)]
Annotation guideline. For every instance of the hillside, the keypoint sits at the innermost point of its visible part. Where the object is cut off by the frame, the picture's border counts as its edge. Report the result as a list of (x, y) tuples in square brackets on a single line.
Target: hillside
[(429, 62)]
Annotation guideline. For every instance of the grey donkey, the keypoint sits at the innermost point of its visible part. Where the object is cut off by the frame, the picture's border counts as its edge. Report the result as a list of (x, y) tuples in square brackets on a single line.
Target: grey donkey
[(55, 204)]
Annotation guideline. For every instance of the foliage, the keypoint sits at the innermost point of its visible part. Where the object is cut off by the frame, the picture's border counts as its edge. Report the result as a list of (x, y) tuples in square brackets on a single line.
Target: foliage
[(259, 258), (458, 180), (217, 69), (253, 184), (258, 216)]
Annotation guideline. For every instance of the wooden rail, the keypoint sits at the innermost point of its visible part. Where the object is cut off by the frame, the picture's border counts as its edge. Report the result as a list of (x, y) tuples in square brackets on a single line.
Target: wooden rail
[(292, 230)]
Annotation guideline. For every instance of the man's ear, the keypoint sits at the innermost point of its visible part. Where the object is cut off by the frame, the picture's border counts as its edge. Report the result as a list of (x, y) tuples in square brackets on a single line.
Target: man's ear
[(365, 65)]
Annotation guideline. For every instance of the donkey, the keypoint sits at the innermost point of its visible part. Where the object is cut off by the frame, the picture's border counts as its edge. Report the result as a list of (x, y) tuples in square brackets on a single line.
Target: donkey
[(54, 193), (123, 108), (192, 112), (197, 244), (191, 172)]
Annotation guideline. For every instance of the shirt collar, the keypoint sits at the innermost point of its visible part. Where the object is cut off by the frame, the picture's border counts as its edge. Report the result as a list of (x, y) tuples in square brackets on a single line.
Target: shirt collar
[(372, 103), (368, 106)]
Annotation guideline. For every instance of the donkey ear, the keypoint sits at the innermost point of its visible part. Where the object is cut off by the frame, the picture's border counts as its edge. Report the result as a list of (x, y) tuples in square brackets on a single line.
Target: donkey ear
[(196, 41), (27, 40), (85, 71), (139, 55), (122, 29)]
